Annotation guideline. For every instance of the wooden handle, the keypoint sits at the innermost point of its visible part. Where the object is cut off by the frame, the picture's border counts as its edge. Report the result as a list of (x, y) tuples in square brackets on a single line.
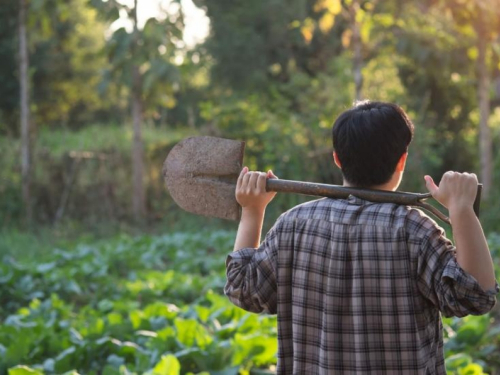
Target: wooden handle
[(342, 192), (379, 196), (477, 202)]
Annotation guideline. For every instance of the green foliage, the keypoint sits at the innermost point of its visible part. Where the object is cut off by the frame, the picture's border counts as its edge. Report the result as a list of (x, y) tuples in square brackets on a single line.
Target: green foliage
[(152, 48), (273, 73), (494, 243), (154, 305), (93, 163), (432, 69), (65, 39), (9, 88), (269, 44), (472, 343), (491, 208), (441, 85), (139, 305)]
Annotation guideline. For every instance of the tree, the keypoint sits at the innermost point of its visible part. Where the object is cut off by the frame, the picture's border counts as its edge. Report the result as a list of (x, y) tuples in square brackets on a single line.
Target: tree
[(257, 44), (142, 61), (25, 111), (9, 62), (481, 19), (483, 97), (433, 65), (65, 42), (138, 198), (357, 47), (486, 26)]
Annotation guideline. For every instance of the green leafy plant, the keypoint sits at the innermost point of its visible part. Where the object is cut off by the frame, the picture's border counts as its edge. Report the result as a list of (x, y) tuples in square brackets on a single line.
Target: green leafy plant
[(154, 305)]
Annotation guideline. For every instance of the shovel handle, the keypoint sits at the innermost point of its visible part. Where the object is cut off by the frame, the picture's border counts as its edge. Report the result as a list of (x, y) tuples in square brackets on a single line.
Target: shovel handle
[(342, 192), (477, 201), (379, 196)]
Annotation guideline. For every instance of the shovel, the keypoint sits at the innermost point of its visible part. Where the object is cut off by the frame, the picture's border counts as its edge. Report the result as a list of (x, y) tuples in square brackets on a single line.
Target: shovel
[(201, 174)]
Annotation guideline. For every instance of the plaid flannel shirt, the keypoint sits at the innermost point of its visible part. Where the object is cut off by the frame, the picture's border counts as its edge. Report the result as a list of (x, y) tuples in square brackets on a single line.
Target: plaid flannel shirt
[(358, 288)]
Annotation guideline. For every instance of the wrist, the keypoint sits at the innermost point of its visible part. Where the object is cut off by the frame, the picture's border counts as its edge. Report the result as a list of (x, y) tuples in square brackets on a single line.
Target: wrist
[(460, 209), (253, 211)]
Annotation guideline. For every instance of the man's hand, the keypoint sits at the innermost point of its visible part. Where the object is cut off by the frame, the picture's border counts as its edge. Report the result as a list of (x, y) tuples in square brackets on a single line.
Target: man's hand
[(251, 191), (456, 191), (251, 194)]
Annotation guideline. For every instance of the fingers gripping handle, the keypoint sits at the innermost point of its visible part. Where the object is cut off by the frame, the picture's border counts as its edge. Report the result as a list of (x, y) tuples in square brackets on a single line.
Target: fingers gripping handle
[(443, 217)]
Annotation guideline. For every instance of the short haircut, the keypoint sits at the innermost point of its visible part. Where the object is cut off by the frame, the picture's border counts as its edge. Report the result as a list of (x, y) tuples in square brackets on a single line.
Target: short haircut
[(369, 140)]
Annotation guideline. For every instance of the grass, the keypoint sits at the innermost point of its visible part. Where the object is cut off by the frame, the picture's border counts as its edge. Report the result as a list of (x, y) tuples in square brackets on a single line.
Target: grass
[(35, 244), (96, 137)]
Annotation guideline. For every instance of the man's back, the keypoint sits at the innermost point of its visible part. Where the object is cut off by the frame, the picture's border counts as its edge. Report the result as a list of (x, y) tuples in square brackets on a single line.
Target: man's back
[(357, 287)]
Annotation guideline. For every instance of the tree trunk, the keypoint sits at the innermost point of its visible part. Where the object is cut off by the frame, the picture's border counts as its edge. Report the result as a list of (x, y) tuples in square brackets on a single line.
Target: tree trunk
[(191, 120), (357, 53), (485, 146), (24, 107), (138, 198)]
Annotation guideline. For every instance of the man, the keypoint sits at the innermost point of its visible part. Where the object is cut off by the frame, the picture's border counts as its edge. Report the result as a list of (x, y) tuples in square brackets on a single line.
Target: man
[(358, 287)]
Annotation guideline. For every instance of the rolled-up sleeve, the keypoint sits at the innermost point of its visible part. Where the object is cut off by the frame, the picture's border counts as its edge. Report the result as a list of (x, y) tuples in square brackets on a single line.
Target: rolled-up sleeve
[(251, 275), (443, 281)]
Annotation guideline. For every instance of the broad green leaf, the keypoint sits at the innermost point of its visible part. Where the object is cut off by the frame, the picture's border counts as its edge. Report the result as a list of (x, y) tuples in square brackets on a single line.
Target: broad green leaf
[(458, 360), (129, 349), (48, 365), (115, 361), (115, 318), (19, 348), (190, 332), (96, 327), (159, 309), (46, 267), (258, 349), (473, 329), (168, 365), (111, 370), (136, 318), (203, 313), (471, 369), (105, 305), (65, 360), (229, 371), (75, 336), (24, 370)]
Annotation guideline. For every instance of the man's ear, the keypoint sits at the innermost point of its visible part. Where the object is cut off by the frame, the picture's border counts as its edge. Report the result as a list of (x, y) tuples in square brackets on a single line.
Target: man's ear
[(400, 167), (336, 160)]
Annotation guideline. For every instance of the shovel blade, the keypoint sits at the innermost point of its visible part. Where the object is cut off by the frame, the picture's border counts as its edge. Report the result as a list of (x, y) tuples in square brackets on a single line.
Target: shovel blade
[(201, 173)]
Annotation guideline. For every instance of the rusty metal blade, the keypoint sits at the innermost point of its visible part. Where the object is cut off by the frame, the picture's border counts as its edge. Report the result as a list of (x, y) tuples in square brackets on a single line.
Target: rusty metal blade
[(201, 174)]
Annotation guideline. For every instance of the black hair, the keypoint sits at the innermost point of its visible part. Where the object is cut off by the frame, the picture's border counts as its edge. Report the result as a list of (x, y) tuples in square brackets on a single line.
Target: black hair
[(369, 140)]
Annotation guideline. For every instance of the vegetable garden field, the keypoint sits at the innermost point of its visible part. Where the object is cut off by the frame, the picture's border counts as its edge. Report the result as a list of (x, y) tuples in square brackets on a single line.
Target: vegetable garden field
[(155, 305), (94, 94)]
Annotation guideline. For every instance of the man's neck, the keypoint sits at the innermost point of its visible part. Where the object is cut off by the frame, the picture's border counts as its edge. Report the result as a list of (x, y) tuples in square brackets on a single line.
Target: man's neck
[(392, 185)]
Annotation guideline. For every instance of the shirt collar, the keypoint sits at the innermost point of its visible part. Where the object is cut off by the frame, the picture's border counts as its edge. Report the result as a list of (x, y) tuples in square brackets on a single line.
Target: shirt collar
[(357, 201)]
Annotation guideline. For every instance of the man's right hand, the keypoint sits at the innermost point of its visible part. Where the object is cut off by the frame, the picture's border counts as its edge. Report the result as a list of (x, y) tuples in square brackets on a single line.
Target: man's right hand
[(251, 191), (456, 191)]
